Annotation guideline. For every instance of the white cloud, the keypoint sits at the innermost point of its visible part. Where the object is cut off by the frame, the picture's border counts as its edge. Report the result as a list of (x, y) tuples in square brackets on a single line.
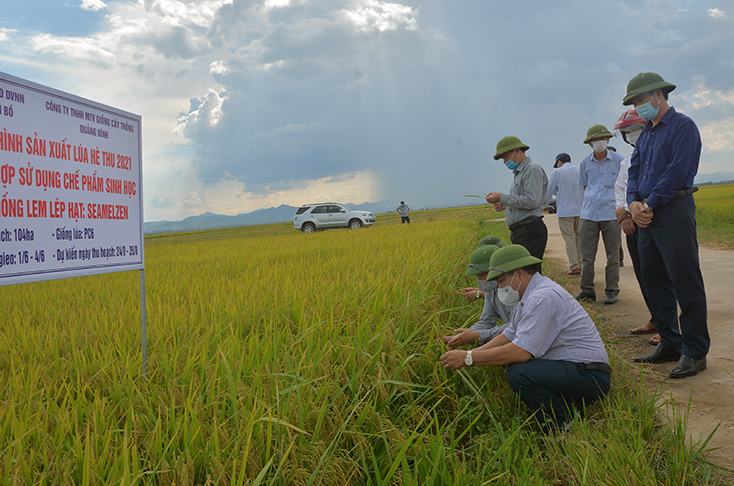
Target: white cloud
[(93, 5), (204, 114), (378, 16), (716, 13)]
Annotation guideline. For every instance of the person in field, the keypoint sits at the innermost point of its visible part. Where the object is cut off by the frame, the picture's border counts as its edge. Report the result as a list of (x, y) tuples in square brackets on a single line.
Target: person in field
[(472, 293), (523, 206), (403, 210), (487, 326), (554, 355), (564, 183)]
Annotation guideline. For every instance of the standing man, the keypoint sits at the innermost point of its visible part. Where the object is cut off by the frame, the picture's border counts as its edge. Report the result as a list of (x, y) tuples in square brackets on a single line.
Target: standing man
[(554, 355), (597, 174), (528, 195), (564, 183), (403, 211), (630, 126), (660, 197)]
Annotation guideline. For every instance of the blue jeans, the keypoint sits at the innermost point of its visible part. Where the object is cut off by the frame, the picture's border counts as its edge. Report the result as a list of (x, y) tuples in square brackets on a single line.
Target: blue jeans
[(671, 274), (551, 387)]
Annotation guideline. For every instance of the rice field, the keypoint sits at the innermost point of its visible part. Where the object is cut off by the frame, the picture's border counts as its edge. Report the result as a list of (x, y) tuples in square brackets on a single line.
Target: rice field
[(715, 214), (277, 358)]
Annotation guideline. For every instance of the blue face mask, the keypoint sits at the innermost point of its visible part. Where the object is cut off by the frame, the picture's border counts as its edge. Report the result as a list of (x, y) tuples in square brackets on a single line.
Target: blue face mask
[(512, 165), (647, 112)]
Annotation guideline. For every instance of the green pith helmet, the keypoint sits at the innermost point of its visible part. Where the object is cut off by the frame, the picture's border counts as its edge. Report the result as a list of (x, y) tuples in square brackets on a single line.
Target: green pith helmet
[(480, 258), (507, 144), (644, 83), (597, 131), (492, 240), (508, 259)]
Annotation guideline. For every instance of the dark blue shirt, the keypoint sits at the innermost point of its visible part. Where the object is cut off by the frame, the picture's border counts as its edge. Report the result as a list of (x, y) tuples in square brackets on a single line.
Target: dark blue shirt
[(665, 160)]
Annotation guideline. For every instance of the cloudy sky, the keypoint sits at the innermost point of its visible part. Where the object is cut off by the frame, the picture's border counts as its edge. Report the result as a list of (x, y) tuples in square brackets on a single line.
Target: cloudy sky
[(249, 104)]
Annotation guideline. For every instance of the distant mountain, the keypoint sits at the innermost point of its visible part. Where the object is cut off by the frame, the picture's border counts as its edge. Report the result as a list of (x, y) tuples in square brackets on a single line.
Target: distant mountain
[(714, 177), (281, 214)]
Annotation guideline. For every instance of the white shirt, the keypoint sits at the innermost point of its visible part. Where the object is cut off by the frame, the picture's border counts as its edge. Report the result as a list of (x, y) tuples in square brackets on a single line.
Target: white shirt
[(620, 187)]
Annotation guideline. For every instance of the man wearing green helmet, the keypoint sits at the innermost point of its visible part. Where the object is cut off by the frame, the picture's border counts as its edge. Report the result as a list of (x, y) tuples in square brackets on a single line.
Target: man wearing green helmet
[(524, 205), (552, 350), (597, 174), (660, 197), (486, 328)]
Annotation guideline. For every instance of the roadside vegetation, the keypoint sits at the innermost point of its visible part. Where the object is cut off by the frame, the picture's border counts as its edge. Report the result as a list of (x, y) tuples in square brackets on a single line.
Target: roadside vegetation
[(278, 358)]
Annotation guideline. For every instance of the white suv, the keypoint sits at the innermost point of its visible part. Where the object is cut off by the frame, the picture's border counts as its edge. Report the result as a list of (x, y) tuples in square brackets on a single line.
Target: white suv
[(311, 217)]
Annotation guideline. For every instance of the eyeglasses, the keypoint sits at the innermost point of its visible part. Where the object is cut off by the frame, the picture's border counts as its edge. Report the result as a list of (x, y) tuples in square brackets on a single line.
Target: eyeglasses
[(639, 100), (495, 269), (477, 267)]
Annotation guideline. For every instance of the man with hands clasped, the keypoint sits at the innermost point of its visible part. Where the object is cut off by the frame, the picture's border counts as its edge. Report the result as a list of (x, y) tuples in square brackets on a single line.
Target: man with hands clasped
[(486, 328), (551, 348)]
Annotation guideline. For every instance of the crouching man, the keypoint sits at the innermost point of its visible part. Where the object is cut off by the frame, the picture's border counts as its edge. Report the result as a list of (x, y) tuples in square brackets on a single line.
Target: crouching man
[(552, 350), (486, 328)]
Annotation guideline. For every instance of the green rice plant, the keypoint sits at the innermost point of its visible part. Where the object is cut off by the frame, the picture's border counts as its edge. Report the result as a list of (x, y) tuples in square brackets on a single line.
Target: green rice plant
[(715, 214), (277, 358)]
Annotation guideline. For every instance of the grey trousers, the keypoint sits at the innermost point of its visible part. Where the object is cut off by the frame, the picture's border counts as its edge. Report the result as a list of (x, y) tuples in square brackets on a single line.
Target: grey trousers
[(611, 232), (570, 231)]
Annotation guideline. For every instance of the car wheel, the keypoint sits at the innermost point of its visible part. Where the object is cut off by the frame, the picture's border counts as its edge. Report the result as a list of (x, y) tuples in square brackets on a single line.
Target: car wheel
[(355, 224), (308, 228)]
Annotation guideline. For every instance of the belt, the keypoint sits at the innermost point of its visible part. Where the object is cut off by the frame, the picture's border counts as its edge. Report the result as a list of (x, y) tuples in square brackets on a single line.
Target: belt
[(685, 192), (598, 367), (525, 222)]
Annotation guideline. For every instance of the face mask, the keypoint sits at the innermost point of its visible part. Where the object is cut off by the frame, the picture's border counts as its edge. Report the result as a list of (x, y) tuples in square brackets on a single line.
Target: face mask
[(511, 164), (486, 286), (632, 137), (646, 111), (508, 295), (600, 145)]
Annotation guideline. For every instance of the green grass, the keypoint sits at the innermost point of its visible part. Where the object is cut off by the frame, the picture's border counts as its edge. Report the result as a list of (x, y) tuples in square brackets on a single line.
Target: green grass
[(282, 358), (715, 214)]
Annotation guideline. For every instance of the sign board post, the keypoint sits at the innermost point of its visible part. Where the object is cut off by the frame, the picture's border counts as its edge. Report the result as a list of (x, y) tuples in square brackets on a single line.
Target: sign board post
[(70, 188)]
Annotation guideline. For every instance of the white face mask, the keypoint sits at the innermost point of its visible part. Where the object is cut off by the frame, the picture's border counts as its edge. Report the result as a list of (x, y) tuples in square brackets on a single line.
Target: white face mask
[(508, 295), (632, 137), (600, 145), (486, 286)]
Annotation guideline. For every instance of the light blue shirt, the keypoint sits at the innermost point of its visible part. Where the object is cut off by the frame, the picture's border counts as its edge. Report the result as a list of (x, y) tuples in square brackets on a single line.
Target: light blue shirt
[(599, 178), (564, 182), (493, 310), (550, 324)]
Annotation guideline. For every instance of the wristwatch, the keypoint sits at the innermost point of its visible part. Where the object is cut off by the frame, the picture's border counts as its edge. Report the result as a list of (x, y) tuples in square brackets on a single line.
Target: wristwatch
[(468, 360), (648, 209)]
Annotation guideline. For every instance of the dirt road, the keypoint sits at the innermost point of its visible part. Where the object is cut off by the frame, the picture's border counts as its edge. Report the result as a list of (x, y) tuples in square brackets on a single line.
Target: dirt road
[(711, 392)]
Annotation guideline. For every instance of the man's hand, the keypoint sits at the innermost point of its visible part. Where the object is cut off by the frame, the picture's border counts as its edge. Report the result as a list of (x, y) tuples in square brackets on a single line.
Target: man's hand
[(642, 218), (453, 360), (462, 336), (493, 197), (621, 214), (470, 293), (499, 207), (628, 226)]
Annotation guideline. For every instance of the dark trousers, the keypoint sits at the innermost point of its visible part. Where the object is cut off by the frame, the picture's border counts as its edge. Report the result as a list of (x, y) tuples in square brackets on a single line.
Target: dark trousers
[(533, 237), (405, 219), (632, 242), (671, 274), (551, 387)]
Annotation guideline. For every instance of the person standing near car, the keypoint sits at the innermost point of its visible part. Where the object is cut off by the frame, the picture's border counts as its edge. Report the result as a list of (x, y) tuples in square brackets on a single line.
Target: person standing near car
[(564, 184), (403, 211), (660, 197), (528, 195), (597, 174)]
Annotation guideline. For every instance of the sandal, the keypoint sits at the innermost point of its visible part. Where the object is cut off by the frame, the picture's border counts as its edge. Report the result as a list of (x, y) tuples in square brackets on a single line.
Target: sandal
[(648, 328), (654, 341)]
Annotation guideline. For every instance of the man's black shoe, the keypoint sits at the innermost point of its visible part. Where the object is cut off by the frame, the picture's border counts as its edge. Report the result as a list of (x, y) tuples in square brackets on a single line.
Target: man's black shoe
[(661, 354), (611, 298), (688, 367), (585, 296)]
